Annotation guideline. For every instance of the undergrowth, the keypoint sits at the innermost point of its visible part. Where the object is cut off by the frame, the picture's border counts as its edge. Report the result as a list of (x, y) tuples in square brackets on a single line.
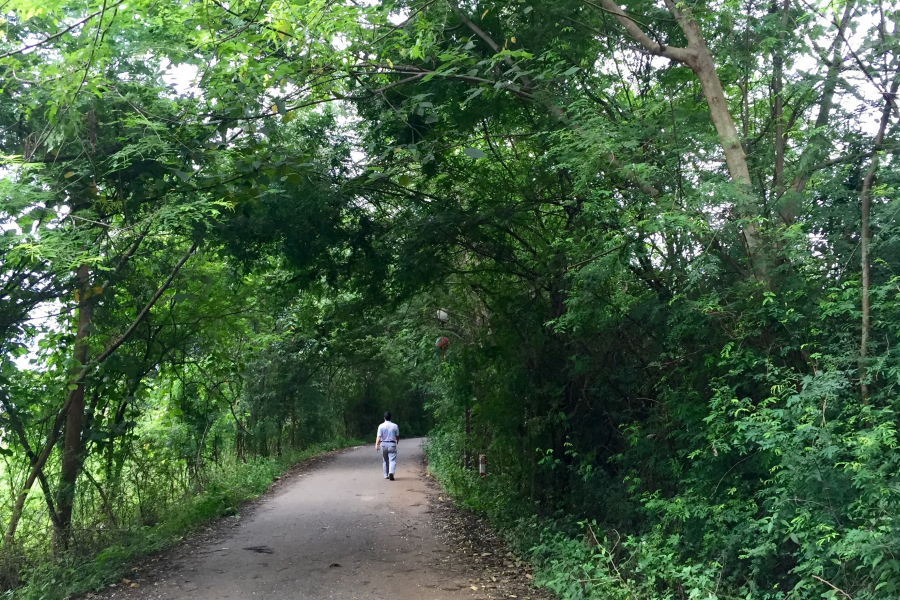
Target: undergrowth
[(574, 559), (570, 558), (229, 484)]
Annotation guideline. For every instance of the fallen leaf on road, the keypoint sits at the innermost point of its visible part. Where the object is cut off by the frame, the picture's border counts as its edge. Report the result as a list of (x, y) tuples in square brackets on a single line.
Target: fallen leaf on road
[(135, 585), (528, 576), (474, 587)]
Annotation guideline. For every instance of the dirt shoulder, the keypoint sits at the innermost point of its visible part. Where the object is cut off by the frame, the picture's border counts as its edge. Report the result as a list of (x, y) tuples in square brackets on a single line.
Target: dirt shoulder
[(479, 554)]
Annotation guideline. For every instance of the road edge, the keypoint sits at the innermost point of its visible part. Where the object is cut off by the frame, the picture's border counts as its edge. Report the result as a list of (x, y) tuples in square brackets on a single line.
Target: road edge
[(492, 568)]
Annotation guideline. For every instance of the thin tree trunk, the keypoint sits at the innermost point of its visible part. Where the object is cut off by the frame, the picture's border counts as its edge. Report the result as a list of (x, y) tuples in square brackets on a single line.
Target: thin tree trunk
[(615, 164), (36, 468), (705, 69), (240, 438), (696, 56), (865, 235), (42, 479), (745, 88), (72, 441), (37, 464), (107, 505), (278, 439)]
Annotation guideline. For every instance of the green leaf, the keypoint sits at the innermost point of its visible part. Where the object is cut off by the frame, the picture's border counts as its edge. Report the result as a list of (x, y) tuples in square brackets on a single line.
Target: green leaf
[(472, 95), (474, 153)]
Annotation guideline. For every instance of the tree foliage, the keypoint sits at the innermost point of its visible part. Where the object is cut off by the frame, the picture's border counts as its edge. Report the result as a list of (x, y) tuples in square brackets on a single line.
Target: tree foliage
[(664, 238)]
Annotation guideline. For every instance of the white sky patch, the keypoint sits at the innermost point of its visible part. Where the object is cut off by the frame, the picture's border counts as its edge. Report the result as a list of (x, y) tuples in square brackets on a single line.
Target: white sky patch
[(398, 17), (340, 42), (182, 78), (46, 317)]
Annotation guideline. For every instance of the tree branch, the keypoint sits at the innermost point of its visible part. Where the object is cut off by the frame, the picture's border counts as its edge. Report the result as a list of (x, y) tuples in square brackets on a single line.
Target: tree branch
[(141, 315), (865, 235), (407, 20), (633, 27), (59, 34)]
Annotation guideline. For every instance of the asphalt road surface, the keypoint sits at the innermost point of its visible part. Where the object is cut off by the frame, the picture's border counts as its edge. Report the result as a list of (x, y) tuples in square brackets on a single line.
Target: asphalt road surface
[(339, 530)]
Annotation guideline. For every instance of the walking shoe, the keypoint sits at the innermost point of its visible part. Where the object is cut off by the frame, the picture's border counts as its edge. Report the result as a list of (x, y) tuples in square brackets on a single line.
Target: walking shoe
[(391, 477)]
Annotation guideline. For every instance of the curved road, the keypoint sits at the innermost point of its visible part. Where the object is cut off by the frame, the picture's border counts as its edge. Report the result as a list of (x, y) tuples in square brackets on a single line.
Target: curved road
[(337, 531)]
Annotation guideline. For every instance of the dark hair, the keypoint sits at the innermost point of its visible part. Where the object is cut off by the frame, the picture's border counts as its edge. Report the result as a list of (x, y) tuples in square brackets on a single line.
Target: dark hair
[(387, 416)]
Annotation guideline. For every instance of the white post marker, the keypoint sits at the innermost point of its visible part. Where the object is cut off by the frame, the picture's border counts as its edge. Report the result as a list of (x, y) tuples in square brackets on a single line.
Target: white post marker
[(482, 465)]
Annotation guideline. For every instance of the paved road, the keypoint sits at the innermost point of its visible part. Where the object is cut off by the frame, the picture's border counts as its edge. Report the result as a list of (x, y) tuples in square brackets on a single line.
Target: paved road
[(338, 531)]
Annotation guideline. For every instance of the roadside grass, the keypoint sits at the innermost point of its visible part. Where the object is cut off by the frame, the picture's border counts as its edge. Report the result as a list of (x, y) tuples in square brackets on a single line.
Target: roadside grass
[(227, 487)]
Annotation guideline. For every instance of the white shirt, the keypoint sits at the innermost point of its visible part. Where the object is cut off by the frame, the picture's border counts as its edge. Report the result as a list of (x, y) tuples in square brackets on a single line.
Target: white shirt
[(389, 432)]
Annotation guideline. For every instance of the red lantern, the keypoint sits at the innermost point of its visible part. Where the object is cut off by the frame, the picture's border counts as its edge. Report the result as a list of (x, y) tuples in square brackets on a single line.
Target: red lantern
[(440, 349)]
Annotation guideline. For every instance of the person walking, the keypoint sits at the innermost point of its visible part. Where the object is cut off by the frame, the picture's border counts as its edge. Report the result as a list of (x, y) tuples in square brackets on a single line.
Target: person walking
[(388, 436)]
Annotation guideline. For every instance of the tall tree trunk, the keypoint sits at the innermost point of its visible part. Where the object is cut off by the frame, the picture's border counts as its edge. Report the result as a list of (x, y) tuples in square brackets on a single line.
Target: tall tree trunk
[(72, 441), (705, 69), (293, 427), (865, 235), (278, 439), (696, 56)]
